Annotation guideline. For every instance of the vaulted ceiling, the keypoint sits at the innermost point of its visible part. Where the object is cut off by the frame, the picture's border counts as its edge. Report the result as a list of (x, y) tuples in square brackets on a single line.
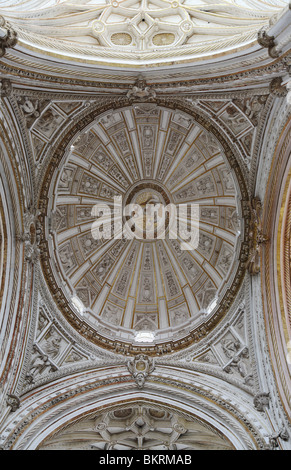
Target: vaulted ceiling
[(171, 102), (146, 428), (130, 31), (137, 153)]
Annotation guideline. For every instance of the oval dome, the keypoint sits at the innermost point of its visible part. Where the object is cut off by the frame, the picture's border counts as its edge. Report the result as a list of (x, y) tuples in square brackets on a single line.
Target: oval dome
[(160, 285)]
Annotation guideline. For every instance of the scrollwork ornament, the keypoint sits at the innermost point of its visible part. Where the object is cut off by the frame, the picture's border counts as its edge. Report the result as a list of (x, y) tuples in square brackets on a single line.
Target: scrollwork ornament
[(257, 237), (261, 401), (9, 39), (267, 41), (5, 88), (281, 434), (140, 91), (140, 367), (13, 401), (276, 88), (31, 236)]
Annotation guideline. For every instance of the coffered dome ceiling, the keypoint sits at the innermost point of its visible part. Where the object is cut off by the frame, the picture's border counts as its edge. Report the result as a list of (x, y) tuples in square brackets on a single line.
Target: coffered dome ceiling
[(131, 32), (119, 287), (135, 342)]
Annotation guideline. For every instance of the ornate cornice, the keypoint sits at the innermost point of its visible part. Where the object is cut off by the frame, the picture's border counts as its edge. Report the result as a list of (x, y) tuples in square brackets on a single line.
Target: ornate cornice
[(251, 71)]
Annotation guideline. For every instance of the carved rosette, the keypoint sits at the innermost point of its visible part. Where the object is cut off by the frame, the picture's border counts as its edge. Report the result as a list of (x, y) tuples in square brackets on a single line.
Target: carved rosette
[(261, 400)]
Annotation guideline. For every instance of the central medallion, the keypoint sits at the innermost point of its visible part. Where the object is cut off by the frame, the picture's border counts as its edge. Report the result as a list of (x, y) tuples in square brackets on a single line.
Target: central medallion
[(145, 211)]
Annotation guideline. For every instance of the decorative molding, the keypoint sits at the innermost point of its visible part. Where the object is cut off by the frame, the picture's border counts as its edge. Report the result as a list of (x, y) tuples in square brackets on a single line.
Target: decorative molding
[(228, 409), (274, 262), (288, 89), (251, 73)]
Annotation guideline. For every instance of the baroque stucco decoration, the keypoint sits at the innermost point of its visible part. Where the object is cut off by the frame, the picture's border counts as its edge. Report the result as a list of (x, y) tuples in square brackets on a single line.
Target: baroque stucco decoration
[(8, 37), (219, 381), (13, 401), (131, 31), (131, 176), (140, 367), (147, 427), (257, 238)]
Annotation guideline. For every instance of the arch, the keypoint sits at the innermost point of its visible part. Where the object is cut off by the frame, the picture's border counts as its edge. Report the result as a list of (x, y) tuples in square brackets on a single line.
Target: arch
[(10, 213), (276, 264), (50, 408)]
